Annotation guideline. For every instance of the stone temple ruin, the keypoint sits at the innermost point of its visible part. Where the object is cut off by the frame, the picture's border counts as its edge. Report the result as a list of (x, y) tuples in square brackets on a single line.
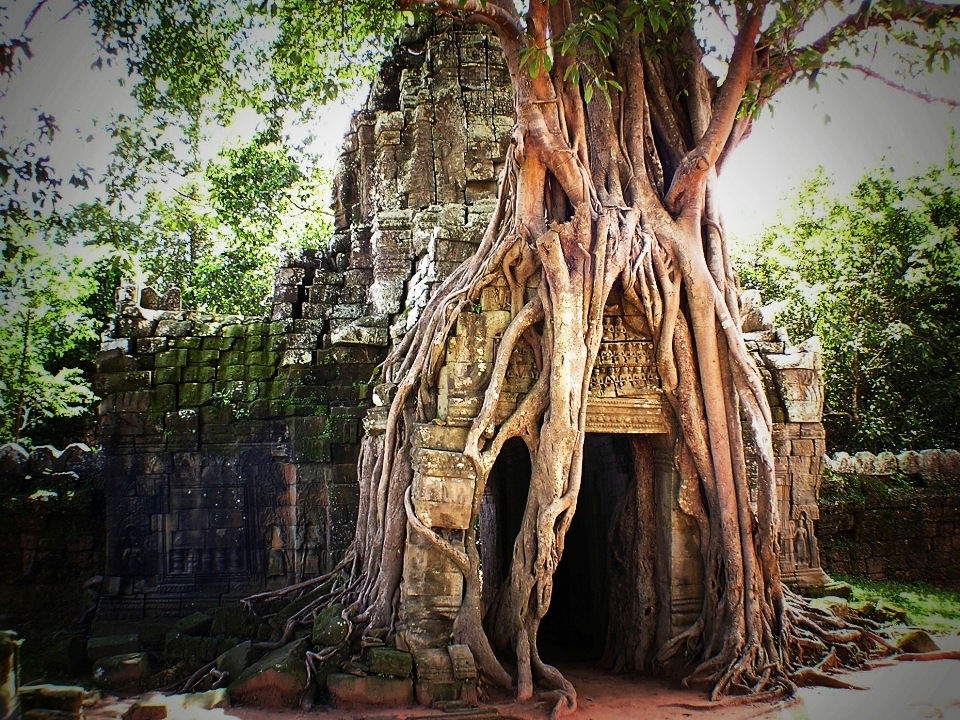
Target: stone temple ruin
[(230, 443)]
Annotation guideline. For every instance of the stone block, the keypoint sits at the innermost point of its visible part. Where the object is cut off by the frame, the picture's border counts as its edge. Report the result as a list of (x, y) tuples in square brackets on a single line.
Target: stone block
[(370, 690), (176, 357), (113, 361), (802, 448), (231, 372), (209, 700), (207, 330), (100, 647), (195, 394), (142, 710), (215, 342), (64, 698), (950, 462), (123, 382), (276, 681), (464, 666), (909, 462), (235, 660), (196, 624), (290, 276), (433, 665), (45, 714), (390, 662), (929, 462), (432, 693), (440, 437), (262, 372), (233, 330), (917, 641), (357, 333), (297, 357), (198, 374), (135, 327), (468, 377), (470, 348), (122, 673), (432, 576), (442, 464), (885, 464), (203, 357), (168, 375), (329, 627), (14, 460)]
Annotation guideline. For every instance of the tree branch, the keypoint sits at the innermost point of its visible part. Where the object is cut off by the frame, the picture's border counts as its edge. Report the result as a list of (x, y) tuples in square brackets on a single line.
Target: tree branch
[(503, 17), (881, 16), (874, 75), (695, 165)]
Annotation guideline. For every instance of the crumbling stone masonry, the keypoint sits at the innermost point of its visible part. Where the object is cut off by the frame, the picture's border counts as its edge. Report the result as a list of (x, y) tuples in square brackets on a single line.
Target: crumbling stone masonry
[(893, 517), (230, 443)]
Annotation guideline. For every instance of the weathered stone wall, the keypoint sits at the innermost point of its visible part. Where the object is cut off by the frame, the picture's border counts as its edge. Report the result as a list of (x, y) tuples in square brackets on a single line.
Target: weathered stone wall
[(792, 379), (892, 517), (52, 539), (51, 515), (229, 447), (230, 443)]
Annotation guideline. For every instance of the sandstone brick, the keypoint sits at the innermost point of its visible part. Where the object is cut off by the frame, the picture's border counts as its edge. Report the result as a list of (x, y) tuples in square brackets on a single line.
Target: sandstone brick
[(370, 690)]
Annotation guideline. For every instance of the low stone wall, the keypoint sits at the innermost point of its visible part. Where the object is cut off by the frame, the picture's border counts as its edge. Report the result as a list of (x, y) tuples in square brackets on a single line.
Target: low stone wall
[(52, 540), (51, 515), (892, 517), (928, 463)]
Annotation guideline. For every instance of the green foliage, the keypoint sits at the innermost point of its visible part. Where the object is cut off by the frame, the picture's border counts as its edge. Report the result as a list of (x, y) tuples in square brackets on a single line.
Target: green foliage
[(221, 235), (196, 56), (877, 277), (932, 608), (43, 317)]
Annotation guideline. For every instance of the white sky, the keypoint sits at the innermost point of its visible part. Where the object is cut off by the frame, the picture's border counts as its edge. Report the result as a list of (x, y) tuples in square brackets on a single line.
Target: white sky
[(846, 127)]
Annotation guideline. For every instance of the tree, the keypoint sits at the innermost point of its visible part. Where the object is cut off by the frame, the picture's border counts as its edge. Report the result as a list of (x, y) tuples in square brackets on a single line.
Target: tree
[(42, 318), (877, 277), (621, 130)]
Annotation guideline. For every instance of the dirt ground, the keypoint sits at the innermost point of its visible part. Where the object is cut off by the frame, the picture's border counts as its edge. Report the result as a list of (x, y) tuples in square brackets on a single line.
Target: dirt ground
[(895, 691)]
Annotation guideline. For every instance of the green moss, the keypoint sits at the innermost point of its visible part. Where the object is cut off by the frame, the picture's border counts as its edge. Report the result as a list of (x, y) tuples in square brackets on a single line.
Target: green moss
[(932, 608)]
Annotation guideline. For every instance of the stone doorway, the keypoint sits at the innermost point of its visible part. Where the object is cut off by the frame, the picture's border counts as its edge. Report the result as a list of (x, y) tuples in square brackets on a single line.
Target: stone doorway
[(501, 513), (575, 628)]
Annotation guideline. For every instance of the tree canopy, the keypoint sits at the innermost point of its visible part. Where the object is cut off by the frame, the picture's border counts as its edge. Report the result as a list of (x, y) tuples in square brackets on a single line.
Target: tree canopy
[(877, 277)]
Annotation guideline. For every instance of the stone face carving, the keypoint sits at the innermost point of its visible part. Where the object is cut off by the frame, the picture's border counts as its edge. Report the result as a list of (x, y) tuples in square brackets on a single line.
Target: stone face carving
[(276, 553)]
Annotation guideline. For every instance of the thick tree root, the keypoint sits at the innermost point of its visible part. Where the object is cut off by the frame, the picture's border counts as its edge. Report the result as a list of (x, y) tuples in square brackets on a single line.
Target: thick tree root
[(935, 655)]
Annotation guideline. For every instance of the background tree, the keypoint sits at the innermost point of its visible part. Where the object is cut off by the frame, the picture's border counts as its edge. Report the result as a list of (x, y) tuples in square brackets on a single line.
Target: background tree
[(215, 227), (877, 277), (42, 319)]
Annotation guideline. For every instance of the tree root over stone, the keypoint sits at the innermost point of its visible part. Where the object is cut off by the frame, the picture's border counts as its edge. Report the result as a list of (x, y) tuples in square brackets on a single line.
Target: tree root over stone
[(590, 203)]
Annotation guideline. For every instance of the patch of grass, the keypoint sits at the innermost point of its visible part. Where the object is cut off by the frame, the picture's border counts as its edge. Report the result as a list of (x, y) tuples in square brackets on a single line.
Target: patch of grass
[(936, 610)]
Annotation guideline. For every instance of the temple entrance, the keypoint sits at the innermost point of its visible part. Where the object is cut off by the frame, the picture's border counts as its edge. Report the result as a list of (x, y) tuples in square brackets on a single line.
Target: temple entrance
[(575, 627), (501, 513)]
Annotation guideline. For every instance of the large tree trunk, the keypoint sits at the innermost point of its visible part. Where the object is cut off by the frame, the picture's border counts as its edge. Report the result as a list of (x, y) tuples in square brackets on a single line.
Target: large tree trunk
[(597, 194)]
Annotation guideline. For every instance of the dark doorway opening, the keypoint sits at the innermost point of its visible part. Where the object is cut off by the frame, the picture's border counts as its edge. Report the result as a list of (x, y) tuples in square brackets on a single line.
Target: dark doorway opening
[(575, 627), (501, 513)]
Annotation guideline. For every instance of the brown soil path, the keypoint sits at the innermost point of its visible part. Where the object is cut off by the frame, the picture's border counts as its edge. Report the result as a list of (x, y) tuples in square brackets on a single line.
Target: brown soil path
[(895, 691)]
